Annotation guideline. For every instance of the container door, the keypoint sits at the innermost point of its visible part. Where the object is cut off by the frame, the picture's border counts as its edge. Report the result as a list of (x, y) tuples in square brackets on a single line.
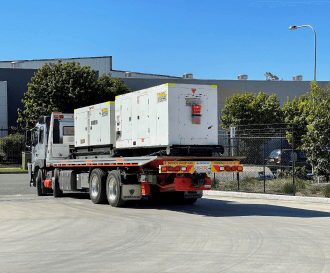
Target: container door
[(126, 120), (193, 123), (143, 129)]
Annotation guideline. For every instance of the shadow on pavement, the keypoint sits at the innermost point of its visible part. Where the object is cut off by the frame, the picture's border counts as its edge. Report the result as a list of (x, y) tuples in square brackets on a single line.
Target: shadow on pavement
[(220, 208)]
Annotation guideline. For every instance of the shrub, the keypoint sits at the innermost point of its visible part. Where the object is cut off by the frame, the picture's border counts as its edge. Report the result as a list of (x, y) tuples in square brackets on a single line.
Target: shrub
[(11, 147), (287, 188), (301, 184), (301, 172), (327, 191)]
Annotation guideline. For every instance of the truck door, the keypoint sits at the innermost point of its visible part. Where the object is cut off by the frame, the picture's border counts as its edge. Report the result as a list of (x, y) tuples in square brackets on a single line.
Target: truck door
[(39, 144)]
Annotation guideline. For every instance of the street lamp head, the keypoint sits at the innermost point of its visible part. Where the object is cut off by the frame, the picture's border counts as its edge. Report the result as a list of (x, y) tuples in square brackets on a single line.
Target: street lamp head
[(293, 27)]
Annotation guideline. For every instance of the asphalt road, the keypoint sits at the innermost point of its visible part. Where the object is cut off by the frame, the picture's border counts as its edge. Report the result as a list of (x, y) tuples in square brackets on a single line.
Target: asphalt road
[(227, 234)]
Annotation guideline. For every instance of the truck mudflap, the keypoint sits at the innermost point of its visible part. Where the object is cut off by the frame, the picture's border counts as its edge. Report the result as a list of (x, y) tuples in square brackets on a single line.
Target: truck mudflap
[(131, 192)]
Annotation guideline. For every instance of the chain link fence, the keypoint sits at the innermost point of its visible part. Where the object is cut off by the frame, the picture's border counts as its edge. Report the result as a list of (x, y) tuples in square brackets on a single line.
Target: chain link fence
[(12, 144), (266, 152)]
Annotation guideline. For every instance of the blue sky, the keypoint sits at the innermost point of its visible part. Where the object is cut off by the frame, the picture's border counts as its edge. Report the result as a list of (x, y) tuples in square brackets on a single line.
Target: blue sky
[(211, 39)]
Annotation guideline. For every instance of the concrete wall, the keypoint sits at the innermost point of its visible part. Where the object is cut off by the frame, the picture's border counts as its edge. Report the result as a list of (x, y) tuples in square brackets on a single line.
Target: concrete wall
[(101, 64), (226, 88), (3, 107), (17, 80)]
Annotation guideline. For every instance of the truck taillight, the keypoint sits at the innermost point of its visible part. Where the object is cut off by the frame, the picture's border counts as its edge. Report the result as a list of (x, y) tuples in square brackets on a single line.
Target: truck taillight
[(183, 169), (170, 168), (177, 168)]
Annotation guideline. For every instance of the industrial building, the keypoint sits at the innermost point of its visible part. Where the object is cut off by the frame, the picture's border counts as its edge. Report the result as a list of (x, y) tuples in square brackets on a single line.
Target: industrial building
[(14, 76)]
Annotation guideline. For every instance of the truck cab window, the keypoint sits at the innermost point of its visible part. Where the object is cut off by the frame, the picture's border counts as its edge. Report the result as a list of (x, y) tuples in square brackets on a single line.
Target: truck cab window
[(35, 137), (41, 135)]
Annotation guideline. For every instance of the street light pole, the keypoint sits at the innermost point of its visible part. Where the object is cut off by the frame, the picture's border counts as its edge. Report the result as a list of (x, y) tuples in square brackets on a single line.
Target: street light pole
[(295, 27)]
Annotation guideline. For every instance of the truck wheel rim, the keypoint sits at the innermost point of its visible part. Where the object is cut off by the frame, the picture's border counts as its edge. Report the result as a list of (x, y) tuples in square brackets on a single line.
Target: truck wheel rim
[(112, 188), (95, 186)]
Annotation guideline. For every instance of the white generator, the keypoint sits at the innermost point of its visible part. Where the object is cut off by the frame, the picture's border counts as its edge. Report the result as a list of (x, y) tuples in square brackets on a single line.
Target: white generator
[(95, 125), (168, 114)]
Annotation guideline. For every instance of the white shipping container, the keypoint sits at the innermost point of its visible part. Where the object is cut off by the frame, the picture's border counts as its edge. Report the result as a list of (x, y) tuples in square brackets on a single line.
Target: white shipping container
[(95, 125), (168, 114)]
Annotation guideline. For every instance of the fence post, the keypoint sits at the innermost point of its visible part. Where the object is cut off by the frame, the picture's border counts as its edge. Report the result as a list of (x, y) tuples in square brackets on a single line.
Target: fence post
[(293, 165)]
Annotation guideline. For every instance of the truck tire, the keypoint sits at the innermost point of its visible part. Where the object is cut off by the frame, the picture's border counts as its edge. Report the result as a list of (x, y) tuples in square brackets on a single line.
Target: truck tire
[(97, 191), (40, 184), (57, 192), (113, 189)]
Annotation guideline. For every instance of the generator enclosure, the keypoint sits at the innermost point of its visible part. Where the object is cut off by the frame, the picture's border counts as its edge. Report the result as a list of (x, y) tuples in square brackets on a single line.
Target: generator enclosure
[(95, 125), (168, 114)]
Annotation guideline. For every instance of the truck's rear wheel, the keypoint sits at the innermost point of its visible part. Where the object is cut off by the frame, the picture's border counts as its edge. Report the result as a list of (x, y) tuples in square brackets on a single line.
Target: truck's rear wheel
[(57, 192), (114, 189), (97, 186), (40, 184)]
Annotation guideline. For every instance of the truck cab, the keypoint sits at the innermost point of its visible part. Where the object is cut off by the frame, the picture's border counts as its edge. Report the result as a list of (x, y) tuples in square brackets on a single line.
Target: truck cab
[(52, 137)]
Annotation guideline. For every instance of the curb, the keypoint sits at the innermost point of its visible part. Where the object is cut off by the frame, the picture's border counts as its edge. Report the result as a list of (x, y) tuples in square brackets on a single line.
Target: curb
[(14, 172), (268, 196)]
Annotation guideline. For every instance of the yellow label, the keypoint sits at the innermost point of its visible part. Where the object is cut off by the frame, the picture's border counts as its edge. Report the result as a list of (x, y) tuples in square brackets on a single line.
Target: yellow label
[(108, 102), (163, 94), (167, 84), (213, 86), (104, 110), (180, 163), (116, 97)]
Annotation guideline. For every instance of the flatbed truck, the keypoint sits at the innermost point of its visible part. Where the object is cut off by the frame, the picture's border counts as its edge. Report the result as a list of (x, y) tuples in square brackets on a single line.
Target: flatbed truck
[(65, 158)]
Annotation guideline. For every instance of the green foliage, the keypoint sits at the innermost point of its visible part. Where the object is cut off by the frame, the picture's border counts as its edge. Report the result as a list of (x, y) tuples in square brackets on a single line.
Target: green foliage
[(11, 146), (271, 77), (326, 191), (301, 172), (252, 110), (284, 174), (287, 187), (63, 87), (297, 112), (315, 141), (249, 108)]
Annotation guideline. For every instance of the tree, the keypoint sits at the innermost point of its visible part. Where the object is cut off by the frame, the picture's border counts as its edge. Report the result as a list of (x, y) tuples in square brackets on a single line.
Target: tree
[(296, 112), (249, 109), (252, 113), (271, 77), (63, 87), (317, 138)]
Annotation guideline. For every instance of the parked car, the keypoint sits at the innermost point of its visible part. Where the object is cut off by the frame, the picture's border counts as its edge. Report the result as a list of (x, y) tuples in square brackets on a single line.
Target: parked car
[(281, 159)]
